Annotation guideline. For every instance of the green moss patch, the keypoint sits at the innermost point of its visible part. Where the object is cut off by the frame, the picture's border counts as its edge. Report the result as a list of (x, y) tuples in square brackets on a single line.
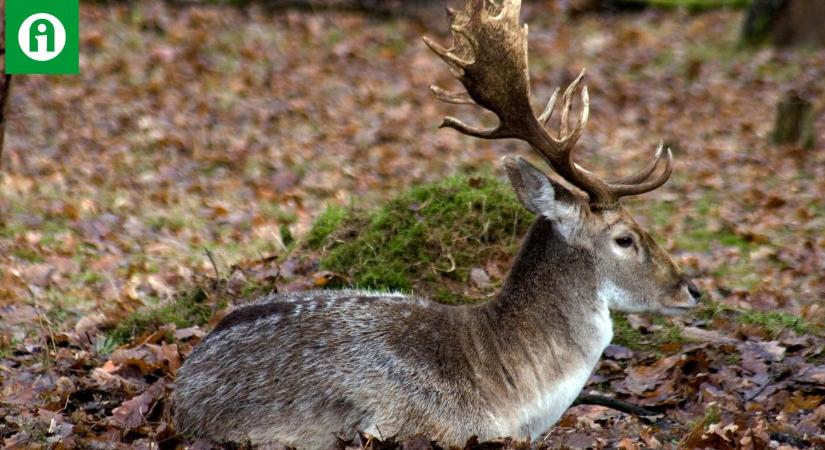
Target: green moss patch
[(692, 5), (774, 322), (426, 239), (184, 311), (664, 332)]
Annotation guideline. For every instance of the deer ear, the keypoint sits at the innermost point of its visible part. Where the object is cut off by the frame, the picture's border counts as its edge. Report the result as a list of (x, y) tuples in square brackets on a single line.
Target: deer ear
[(537, 192)]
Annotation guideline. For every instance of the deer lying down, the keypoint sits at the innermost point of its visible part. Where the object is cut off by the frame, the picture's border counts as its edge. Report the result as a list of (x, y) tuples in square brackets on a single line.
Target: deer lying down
[(303, 368)]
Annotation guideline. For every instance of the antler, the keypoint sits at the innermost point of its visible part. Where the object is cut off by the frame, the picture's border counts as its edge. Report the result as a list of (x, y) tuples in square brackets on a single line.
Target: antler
[(489, 57)]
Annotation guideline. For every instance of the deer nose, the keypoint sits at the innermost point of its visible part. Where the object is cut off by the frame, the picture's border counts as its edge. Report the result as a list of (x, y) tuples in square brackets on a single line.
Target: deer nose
[(693, 290)]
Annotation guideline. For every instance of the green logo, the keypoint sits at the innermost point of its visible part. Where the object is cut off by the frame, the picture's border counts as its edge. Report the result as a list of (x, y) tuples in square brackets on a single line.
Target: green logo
[(42, 36)]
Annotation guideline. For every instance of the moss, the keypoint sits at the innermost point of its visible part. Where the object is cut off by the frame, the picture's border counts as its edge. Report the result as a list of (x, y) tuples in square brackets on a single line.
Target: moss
[(733, 359), (276, 212), (661, 212), (184, 311), (425, 239), (254, 288), (169, 222), (710, 310), (328, 222), (28, 254), (702, 239), (88, 277), (693, 5), (741, 274), (772, 322), (712, 415), (624, 334)]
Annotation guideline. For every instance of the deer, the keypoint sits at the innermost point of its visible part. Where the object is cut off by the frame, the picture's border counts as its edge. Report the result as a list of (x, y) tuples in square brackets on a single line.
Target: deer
[(304, 369)]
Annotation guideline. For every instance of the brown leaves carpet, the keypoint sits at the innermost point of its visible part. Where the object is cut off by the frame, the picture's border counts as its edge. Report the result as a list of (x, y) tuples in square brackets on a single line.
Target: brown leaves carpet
[(228, 129)]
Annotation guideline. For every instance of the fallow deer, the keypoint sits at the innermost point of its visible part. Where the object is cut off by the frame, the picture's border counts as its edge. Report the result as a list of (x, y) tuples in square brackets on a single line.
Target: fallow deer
[(302, 368)]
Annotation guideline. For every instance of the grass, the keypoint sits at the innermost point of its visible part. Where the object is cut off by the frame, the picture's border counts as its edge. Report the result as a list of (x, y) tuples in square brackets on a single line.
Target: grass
[(625, 335), (426, 239), (772, 322), (775, 322), (184, 311), (713, 415), (698, 235), (693, 5), (422, 240), (741, 275), (326, 224)]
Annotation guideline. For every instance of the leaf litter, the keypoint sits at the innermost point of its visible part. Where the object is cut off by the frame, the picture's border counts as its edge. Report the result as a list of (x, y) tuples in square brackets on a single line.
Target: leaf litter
[(230, 128)]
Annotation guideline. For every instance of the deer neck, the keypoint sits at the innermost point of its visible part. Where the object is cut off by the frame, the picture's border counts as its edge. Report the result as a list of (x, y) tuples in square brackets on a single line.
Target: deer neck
[(551, 295), (545, 332)]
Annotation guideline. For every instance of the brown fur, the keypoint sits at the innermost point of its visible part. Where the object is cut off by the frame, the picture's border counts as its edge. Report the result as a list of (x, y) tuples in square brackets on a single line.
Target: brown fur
[(301, 368)]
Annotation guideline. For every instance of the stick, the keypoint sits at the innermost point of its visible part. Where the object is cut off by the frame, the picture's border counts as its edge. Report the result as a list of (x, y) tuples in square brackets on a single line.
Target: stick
[(5, 83), (612, 403), (214, 265), (5, 92)]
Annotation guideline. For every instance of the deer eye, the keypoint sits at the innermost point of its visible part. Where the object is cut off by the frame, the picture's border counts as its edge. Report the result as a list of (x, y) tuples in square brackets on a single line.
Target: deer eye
[(624, 241)]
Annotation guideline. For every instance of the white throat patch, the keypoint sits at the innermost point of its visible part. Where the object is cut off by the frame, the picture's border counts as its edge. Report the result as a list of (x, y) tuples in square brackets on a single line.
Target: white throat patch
[(615, 297)]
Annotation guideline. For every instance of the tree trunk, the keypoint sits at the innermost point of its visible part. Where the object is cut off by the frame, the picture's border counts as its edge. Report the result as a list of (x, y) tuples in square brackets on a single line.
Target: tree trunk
[(785, 23), (794, 121), (5, 82), (5, 92), (584, 6)]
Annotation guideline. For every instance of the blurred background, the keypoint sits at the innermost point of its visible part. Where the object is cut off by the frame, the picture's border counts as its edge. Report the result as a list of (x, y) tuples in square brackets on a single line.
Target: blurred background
[(224, 125), (200, 135)]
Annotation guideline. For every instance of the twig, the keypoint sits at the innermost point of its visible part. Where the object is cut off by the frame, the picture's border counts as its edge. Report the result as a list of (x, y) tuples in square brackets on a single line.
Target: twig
[(214, 265), (612, 403), (5, 86), (5, 93), (45, 331), (700, 335), (785, 438)]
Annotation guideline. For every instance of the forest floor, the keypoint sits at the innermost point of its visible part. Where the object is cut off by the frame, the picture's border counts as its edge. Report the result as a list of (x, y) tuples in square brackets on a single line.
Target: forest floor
[(199, 143)]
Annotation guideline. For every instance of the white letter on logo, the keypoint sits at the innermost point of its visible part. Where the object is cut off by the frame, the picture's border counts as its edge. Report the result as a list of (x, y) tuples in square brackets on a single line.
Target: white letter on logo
[(41, 51)]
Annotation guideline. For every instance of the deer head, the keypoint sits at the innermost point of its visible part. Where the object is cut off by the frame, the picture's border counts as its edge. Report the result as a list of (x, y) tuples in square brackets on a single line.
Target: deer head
[(489, 57)]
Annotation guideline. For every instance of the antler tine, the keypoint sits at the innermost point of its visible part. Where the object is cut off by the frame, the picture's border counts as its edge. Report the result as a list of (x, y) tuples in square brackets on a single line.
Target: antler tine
[(585, 115), (548, 110), (458, 98), (624, 190), (451, 14), (489, 57), (484, 34), (566, 138), (567, 100), (645, 172), (456, 63), (485, 133)]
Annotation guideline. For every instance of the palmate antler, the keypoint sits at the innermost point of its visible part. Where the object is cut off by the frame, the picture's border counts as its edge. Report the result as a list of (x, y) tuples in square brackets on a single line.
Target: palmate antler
[(489, 57)]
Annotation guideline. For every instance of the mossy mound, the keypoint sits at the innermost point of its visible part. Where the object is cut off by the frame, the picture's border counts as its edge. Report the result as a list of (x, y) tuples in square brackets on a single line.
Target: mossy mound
[(426, 240), (187, 309)]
